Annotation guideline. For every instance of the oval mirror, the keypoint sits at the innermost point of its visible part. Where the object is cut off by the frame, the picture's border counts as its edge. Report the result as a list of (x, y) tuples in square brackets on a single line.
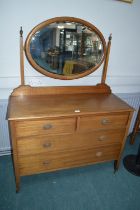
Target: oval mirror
[(65, 48)]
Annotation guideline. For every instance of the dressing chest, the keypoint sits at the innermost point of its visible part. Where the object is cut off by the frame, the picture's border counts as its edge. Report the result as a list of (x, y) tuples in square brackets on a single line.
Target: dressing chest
[(54, 128)]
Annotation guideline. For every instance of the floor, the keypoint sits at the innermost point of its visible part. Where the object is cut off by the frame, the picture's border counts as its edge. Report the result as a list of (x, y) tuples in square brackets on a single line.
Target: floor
[(93, 187)]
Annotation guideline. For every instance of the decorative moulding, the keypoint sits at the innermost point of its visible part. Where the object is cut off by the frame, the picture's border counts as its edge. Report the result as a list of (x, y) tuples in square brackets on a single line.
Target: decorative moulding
[(118, 83)]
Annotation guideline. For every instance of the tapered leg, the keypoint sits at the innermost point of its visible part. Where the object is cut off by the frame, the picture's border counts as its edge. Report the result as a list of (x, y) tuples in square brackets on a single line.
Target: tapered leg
[(15, 154), (116, 165), (17, 184)]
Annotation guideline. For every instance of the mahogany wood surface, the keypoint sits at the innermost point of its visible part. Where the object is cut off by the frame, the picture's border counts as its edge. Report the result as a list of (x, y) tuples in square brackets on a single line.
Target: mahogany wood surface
[(117, 162), (40, 106), (32, 145), (54, 161), (47, 127), (55, 90), (104, 73), (12, 126), (66, 127)]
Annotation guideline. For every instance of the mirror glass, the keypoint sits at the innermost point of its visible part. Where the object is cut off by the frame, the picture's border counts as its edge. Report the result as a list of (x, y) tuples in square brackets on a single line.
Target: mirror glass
[(66, 48)]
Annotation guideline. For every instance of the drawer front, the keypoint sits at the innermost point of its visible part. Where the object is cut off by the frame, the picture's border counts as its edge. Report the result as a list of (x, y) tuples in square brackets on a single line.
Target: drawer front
[(40, 144), (103, 122), (47, 127), (43, 163)]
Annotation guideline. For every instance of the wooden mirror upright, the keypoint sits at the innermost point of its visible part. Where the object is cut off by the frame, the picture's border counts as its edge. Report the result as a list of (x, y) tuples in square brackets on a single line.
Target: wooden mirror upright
[(55, 128)]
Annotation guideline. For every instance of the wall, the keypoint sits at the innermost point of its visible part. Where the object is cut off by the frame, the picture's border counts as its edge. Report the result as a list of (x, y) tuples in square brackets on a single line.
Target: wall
[(110, 16)]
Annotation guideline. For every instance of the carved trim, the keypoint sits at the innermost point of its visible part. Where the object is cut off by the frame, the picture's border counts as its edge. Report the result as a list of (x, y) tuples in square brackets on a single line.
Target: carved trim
[(28, 90)]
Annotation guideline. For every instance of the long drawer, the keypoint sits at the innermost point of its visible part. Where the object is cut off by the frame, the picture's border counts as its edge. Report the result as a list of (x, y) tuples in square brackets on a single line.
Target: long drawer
[(54, 161), (40, 144), (45, 127), (102, 122)]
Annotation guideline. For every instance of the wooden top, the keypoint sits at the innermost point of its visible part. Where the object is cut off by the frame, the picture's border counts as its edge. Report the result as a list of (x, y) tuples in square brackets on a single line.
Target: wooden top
[(42, 106)]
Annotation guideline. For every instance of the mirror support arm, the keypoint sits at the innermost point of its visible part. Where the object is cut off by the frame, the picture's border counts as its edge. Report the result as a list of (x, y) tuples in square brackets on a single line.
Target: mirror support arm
[(106, 60), (21, 58)]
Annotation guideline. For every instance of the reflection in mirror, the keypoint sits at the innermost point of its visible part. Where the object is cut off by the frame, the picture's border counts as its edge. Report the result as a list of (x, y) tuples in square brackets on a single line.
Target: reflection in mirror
[(66, 48)]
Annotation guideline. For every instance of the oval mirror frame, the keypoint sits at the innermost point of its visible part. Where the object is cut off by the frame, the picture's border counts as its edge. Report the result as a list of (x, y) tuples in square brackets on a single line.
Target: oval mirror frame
[(57, 20)]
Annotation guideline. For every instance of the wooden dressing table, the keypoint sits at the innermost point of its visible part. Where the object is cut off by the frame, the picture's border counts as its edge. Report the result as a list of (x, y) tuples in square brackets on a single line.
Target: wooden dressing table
[(53, 128)]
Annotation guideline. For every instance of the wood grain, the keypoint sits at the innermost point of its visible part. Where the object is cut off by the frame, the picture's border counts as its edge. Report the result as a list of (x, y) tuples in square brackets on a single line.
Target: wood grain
[(43, 163), (49, 143), (47, 127), (103, 122), (33, 107), (25, 90), (13, 139), (104, 73), (66, 127)]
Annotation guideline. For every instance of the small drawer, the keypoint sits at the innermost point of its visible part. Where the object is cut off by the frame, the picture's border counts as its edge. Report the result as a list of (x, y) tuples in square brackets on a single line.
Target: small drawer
[(54, 161), (103, 122), (39, 144), (45, 127)]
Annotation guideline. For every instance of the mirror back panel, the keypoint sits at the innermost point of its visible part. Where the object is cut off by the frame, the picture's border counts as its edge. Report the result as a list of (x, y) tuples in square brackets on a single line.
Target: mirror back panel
[(65, 48)]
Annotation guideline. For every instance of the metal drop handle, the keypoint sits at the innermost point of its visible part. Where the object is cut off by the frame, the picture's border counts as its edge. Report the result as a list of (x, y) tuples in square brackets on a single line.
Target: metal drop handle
[(47, 126), (101, 138), (48, 144), (105, 121), (46, 163), (98, 154)]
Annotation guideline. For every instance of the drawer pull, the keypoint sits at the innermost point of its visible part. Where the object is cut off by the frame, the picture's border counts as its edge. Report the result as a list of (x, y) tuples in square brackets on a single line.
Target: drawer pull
[(102, 138), (105, 121), (77, 110), (47, 126), (46, 163), (98, 154), (46, 145)]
